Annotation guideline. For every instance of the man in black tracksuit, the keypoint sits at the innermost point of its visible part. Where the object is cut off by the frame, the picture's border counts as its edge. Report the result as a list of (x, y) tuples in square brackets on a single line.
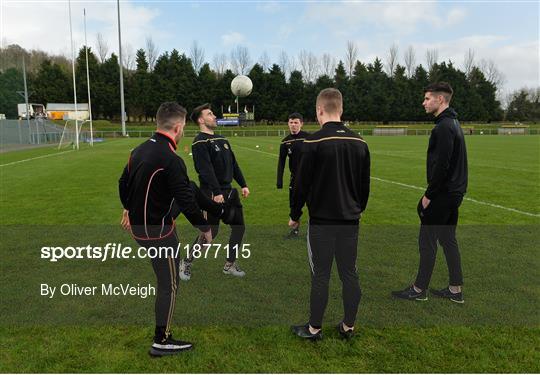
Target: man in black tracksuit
[(154, 188), (447, 177), (333, 179), (291, 146), (217, 167)]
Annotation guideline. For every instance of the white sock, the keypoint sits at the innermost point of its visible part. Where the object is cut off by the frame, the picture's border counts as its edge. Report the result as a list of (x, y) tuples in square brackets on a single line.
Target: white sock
[(454, 289)]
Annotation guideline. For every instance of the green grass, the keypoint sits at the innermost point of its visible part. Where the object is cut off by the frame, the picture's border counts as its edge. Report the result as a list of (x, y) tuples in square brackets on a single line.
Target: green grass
[(241, 325)]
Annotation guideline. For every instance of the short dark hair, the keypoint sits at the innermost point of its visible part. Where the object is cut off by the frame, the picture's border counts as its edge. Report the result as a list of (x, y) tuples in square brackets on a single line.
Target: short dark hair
[(168, 114), (331, 100), (296, 115), (441, 88), (197, 111)]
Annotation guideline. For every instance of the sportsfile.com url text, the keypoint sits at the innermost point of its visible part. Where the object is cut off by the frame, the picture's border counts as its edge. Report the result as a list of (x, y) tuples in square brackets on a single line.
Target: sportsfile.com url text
[(117, 251)]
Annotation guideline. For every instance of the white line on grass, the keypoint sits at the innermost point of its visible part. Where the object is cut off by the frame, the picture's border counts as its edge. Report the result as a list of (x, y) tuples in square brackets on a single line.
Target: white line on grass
[(422, 189), (37, 157), (46, 156)]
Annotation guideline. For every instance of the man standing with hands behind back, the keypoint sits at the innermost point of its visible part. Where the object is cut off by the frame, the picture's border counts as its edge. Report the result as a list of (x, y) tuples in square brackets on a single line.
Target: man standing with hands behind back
[(447, 177), (333, 179), (153, 181)]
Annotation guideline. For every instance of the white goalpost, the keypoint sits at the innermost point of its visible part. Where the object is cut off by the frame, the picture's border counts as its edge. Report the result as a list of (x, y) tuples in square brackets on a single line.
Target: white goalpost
[(73, 133)]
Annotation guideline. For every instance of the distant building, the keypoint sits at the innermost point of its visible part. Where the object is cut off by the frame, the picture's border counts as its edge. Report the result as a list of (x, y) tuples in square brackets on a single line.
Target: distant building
[(66, 111)]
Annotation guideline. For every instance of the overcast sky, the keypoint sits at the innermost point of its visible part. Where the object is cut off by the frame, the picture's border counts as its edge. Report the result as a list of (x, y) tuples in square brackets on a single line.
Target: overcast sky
[(506, 32)]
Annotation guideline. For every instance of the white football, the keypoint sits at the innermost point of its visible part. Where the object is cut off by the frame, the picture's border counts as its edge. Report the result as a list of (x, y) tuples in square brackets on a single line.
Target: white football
[(241, 86)]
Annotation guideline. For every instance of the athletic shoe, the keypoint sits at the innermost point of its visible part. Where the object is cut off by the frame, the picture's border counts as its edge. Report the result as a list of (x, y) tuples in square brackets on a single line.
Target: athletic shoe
[(168, 346), (185, 270), (233, 269), (303, 332), (410, 294), (446, 293), (348, 334)]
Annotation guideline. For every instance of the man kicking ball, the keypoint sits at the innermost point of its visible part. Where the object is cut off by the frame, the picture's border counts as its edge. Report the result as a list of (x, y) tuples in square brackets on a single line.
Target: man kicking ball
[(217, 167)]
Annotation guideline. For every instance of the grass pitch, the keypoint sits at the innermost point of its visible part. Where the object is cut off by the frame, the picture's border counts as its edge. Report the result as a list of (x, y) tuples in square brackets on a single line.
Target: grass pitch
[(241, 325)]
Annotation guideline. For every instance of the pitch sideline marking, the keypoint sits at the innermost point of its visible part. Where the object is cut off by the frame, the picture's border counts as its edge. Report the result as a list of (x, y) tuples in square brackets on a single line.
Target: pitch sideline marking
[(34, 158), (47, 155), (422, 189)]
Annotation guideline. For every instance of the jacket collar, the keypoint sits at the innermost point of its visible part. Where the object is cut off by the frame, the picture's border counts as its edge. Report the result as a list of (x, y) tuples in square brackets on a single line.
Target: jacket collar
[(448, 112), (333, 124), (167, 137)]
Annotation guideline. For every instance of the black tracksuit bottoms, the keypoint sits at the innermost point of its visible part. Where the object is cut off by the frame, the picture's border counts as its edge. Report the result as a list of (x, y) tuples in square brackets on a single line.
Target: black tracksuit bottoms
[(326, 242), (438, 223), (237, 224), (166, 271), (166, 267), (291, 186)]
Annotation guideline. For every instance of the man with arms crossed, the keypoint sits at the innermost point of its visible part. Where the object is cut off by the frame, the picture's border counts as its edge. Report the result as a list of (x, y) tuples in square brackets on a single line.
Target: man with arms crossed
[(333, 179), (216, 165), (154, 183), (438, 208), (291, 146)]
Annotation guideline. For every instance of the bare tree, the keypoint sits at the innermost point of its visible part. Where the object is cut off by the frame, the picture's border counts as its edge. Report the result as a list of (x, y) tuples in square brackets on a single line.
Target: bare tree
[(392, 59), (283, 63), (219, 62), (328, 65), (309, 65), (151, 53), (128, 57), (264, 61), (351, 56), (240, 60), (432, 56), (102, 47), (492, 73), (293, 64), (410, 61), (468, 61), (196, 54)]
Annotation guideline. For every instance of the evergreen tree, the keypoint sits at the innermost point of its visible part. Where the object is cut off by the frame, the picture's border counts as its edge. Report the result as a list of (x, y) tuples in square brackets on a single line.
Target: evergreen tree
[(298, 102), (11, 81), (108, 89), (140, 89), (276, 88), (80, 75), (52, 84)]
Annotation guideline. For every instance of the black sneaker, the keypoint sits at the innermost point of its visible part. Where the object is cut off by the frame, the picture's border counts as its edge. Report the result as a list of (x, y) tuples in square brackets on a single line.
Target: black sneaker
[(446, 293), (303, 332), (168, 346), (410, 294), (348, 334)]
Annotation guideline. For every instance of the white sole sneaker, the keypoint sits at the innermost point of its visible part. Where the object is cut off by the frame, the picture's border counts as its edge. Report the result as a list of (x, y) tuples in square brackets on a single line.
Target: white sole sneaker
[(181, 271), (234, 272)]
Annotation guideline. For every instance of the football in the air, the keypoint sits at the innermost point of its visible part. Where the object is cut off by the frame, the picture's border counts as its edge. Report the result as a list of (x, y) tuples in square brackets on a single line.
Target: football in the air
[(241, 86)]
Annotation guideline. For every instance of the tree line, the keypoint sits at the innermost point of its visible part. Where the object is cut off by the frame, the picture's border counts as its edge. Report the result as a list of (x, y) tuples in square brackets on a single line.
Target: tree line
[(374, 91)]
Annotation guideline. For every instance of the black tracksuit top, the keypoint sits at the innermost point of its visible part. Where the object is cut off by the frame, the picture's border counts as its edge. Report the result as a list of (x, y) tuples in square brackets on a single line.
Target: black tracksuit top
[(446, 163), (290, 146), (154, 178), (333, 176), (215, 163)]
